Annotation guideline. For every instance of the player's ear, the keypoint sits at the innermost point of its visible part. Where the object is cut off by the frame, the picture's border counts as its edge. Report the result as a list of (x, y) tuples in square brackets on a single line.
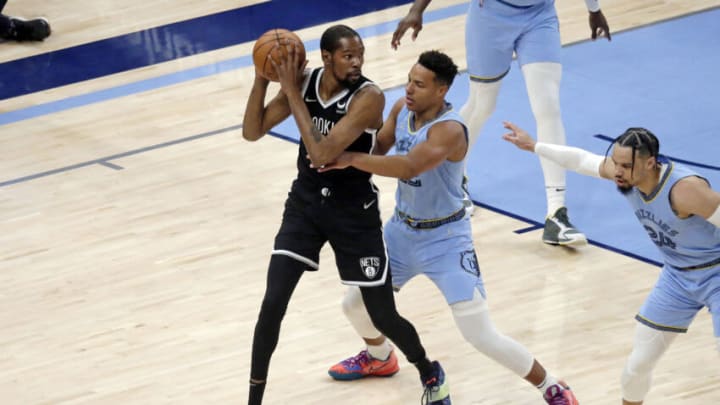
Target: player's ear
[(443, 89), (326, 57), (651, 162)]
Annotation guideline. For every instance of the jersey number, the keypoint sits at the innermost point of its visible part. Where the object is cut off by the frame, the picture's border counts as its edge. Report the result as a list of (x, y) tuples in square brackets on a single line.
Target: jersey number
[(659, 238)]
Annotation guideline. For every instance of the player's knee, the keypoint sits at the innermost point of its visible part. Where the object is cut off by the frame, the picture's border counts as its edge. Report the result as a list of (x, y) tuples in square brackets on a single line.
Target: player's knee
[(283, 274), (641, 361), (481, 101), (635, 386), (382, 320), (717, 344), (648, 346), (352, 303), (474, 323)]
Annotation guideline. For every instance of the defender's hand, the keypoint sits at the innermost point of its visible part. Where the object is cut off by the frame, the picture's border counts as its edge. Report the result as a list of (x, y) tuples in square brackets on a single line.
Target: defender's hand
[(599, 26), (412, 20), (519, 137)]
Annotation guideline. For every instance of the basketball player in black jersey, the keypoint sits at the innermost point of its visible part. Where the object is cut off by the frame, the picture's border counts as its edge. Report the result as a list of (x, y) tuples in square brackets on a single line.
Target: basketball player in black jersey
[(336, 109)]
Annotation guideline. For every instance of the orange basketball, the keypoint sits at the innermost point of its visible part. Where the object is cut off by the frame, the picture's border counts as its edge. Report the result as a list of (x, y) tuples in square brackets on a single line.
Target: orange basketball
[(268, 44)]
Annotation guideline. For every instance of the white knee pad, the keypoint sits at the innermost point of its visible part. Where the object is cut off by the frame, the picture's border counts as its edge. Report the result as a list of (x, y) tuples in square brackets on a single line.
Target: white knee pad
[(473, 319), (355, 311), (480, 104), (648, 347)]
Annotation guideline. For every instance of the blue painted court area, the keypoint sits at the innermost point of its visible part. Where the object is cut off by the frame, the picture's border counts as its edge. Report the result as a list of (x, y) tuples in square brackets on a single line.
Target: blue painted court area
[(662, 77)]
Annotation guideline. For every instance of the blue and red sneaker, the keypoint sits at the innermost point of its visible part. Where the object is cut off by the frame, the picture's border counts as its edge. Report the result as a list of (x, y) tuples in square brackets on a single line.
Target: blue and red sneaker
[(363, 365)]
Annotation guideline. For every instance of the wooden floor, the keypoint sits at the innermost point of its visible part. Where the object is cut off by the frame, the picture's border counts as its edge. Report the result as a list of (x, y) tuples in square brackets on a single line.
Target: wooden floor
[(142, 285)]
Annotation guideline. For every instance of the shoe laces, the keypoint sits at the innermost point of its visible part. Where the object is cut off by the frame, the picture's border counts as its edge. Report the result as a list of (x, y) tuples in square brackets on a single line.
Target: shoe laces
[(361, 359), (428, 391), (562, 217), (430, 387)]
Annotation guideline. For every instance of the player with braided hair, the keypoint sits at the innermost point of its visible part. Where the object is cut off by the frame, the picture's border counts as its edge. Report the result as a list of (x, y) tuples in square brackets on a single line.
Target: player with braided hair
[(681, 215)]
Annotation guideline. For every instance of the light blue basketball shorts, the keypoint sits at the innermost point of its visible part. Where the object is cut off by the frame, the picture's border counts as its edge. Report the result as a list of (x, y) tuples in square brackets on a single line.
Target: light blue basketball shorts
[(444, 254), (678, 296), (494, 30)]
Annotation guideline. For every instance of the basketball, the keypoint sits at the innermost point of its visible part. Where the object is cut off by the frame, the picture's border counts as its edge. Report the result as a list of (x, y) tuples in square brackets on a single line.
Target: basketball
[(267, 44)]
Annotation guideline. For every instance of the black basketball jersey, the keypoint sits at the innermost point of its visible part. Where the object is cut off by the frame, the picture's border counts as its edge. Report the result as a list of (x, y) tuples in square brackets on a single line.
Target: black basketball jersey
[(325, 114)]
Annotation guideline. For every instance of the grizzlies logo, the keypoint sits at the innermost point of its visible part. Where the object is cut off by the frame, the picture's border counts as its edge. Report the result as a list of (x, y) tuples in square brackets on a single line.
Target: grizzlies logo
[(469, 262), (370, 266)]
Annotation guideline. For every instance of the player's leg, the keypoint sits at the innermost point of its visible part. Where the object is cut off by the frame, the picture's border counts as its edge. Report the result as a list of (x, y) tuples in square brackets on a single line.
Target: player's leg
[(296, 249), (5, 26), (489, 43), (648, 346), (538, 51), (489, 38), (668, 310), (457, 275), (713, 301), (283, 276), (362, 261), (378, 358), (380, 304), (4, 22), (473, 319)]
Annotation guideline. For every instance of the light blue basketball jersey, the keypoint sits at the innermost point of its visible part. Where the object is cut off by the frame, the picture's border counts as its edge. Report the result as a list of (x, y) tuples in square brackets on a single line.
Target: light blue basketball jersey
[(443, 250), (434, 194), (690, 279), (687, 242)]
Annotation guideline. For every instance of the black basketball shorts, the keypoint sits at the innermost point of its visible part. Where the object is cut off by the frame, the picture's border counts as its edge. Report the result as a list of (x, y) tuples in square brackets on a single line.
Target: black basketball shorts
[(353, 228)]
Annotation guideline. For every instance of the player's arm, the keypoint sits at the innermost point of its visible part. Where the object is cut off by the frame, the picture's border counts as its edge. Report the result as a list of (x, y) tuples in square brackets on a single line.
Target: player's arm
[(258, 118), (386, 135), (445, 140), (571, 158), (413, 20), (365, 111), (598, 24), (693, 196)]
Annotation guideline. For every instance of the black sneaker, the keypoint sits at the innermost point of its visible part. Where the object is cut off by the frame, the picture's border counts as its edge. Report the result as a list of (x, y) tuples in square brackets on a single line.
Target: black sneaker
[(559, 230), (36, 29)]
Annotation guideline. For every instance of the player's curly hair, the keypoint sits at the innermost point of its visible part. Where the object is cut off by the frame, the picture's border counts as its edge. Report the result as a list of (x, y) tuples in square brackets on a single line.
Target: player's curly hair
[(442, 65)]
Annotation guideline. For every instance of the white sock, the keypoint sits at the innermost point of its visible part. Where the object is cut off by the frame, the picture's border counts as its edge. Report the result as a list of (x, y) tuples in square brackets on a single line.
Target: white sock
[(381, 351), (555, 199), (548, 382)]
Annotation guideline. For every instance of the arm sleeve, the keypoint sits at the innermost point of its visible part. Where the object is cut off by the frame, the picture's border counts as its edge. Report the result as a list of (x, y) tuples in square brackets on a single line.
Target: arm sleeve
[(575, 159), (715, 217)]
